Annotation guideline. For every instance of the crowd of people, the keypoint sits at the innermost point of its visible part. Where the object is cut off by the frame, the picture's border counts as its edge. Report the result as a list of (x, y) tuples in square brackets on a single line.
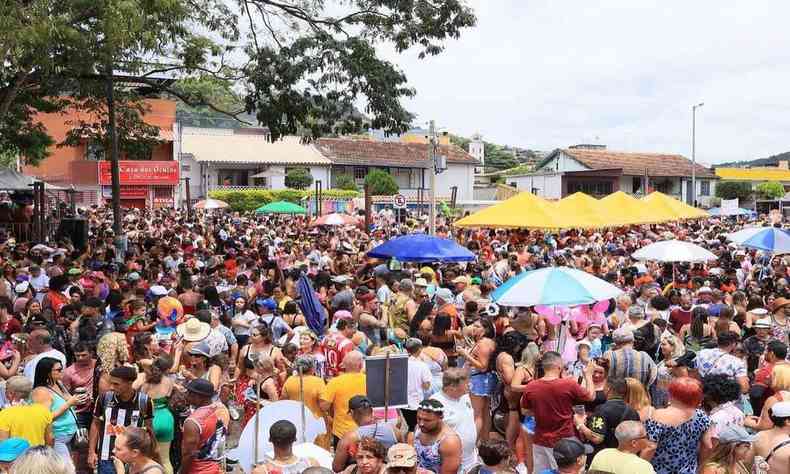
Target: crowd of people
[(152, 355)]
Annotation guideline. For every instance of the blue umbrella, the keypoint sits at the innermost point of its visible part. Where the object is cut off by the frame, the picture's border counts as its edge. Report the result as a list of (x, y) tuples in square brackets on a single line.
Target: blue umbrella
[(769, 239), (422, 248), (554, 286), (314, 312)]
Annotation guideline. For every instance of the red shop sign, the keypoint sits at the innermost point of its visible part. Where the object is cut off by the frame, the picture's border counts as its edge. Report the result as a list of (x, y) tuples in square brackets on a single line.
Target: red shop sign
[(142, 172)]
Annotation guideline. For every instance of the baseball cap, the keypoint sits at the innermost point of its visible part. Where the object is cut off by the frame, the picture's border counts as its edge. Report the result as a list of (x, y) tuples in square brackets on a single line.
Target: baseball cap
[(401, 455), (779, 409), (358, 402), (201, 387), (12, 448), (735, 434), (444, 294), (704, 289), (158, 290), (568, 450), (21, 287), (267, 303)]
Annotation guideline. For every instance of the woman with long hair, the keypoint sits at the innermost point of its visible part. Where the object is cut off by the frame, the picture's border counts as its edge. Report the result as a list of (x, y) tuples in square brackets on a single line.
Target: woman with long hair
[(111, 352), (699, 333), (263, 382), (482, 379), (671, 349), (729, 457), (243, 319), (159, 388), (135, 448), (508, 350), (638, 399), (50, 392), (201, 365), (308, 345)]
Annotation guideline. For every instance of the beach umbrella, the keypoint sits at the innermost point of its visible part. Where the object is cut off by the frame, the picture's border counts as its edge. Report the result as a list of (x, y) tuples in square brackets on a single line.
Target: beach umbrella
[(335, 219), (422, 248), (769, 239), (716, 211), (207, 204), (314, 312), (554, 286), (674, 251), (281, 207)]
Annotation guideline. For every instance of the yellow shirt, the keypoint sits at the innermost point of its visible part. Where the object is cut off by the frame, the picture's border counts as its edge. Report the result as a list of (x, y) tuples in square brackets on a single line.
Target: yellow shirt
[(313, 386), (618, 462), (29, 422), (338, 392)]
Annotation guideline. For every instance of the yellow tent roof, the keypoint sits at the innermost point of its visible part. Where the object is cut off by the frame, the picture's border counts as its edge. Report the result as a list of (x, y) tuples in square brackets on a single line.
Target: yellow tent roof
[(669, 205), (585, 212), (633, 211), (522, 211)]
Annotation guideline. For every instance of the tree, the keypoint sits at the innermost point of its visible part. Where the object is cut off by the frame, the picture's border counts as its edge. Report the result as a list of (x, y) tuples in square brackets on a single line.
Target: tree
[(497, 158), (301, 66), (770, 190), (346, 181), (298, 178), (381, 183), (733, 189)]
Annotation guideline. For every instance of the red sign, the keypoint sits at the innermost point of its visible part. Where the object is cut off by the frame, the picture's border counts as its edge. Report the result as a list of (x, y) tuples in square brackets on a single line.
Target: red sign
[(142, 172)]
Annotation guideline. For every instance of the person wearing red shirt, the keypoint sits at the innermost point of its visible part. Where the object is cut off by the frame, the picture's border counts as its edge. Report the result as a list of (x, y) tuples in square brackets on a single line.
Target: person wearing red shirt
[(681, 316), (550, 400), (338, 345)]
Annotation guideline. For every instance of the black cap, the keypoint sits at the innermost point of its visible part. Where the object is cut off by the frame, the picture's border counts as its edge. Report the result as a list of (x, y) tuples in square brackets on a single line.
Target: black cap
[(201, 387), (568, 450), (358, 402)]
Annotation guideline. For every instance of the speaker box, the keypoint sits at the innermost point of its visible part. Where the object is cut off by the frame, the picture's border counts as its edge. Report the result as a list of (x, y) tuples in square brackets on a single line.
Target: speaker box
[(76, 230)]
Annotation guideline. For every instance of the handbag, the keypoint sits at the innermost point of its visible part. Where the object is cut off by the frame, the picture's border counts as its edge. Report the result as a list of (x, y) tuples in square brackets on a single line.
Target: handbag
[(80, 439)]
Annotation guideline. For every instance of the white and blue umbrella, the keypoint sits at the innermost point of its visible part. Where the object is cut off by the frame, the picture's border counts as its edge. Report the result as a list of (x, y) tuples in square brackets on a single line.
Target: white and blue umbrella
[(769, 239), (716, 211), (554, 286)]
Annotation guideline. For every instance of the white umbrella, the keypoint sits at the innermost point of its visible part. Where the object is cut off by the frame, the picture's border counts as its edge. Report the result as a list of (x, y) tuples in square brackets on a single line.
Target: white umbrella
[(335, 219), (673, 251), (210, 204)]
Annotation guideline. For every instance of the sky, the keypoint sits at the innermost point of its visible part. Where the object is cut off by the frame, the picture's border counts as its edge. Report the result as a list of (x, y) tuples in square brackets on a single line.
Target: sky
[(545, 74)]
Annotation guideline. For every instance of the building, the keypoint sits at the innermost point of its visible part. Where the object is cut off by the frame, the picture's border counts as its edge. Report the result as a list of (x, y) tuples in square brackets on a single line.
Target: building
[(226, 159), (758, 175), (144, 182), (594, 170), (408, 163), (477, 149)]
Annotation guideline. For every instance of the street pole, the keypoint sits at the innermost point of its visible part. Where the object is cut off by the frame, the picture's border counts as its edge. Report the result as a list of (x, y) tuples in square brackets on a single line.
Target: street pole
[(114, 166), (432, 154), (694, 153), (189, 199)]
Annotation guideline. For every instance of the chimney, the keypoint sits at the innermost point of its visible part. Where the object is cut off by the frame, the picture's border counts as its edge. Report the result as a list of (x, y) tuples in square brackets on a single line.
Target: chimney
[(782, 164)]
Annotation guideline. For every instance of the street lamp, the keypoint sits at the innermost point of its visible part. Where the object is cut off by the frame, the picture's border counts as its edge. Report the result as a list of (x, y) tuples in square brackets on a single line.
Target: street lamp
[(694, 153)]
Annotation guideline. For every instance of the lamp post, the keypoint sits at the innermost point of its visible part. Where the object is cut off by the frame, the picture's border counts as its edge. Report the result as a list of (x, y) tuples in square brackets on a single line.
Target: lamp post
[(694, 153)]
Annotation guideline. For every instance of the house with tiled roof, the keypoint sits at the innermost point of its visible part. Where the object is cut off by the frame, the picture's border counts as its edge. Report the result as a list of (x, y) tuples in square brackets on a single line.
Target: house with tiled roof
[(597, 171)]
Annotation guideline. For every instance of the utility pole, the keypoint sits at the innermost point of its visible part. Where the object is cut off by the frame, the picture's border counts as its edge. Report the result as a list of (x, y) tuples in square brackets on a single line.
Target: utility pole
[(432, 156), (188, 198), (694, 153), (114, 165)]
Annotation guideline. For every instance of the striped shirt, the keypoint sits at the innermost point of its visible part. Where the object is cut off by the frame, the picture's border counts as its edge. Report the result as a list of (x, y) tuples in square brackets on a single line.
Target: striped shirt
[(112, 411), (628, 362)]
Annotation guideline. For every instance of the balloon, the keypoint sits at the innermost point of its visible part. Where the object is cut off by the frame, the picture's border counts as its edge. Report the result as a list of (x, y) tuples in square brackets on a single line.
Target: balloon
[(601, 306)]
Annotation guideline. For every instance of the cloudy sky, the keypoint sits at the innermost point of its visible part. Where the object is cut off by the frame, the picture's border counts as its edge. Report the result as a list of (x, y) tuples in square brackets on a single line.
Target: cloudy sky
[(546, 73)]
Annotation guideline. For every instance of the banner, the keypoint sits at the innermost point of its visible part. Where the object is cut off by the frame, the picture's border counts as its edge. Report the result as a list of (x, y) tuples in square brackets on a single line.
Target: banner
[(141, 172), (729, 207)]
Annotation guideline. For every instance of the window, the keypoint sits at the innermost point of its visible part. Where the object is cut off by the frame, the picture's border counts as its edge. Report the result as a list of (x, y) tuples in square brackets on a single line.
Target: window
[(360, 172), (636, 184), (597, 188), (94, 151), (704, 188)]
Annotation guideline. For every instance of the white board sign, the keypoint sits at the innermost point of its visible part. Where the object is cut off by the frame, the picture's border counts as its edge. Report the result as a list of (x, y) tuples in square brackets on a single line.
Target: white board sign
[(729, 207)]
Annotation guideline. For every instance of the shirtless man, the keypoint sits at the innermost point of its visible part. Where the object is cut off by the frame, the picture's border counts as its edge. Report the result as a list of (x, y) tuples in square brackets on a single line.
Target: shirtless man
[(774, 445)]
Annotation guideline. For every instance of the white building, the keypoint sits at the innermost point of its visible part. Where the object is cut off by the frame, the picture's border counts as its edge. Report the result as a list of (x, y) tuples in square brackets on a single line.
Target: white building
[(594, 170)]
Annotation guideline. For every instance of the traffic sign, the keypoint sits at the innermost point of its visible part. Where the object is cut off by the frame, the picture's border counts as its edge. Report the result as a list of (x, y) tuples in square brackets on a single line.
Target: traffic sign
[(399, 201)]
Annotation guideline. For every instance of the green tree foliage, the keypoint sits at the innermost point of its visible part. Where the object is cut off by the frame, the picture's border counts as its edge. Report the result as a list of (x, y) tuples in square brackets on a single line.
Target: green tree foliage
[(300, 67), (733, 189), (770, 190), (298, 178), (381, 183), (497, 158), (347, 182)]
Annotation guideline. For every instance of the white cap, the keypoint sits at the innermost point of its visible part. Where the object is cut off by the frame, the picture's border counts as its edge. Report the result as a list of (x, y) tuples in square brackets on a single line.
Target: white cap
[(22, 287), (764, 323)]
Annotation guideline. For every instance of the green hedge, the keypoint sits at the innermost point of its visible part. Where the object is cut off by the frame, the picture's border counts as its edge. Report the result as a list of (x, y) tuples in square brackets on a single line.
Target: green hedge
[(251, 199)]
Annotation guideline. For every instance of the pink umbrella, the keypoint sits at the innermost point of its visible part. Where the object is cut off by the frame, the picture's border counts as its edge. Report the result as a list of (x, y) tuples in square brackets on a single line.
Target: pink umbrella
[(335, 219)]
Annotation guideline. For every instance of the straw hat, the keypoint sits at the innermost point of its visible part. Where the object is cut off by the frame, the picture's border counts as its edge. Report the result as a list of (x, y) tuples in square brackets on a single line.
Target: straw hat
[(193, 330)]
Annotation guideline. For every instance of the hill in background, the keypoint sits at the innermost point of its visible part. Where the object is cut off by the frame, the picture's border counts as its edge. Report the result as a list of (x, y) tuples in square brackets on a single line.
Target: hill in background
[(770, 161)]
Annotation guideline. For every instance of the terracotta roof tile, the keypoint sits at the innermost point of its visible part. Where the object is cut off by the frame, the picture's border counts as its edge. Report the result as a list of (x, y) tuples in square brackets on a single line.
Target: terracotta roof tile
[(656, 164), (347, 151)]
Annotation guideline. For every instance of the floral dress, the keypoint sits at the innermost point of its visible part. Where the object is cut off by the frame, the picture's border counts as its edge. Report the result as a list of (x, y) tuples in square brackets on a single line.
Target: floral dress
[(678, 446)]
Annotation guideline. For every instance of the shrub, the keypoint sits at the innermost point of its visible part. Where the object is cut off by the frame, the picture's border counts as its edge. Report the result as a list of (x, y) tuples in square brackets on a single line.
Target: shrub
[(770, 190), (381, 183), (298, 178), (251, 199), (346, 182), (733, 189)]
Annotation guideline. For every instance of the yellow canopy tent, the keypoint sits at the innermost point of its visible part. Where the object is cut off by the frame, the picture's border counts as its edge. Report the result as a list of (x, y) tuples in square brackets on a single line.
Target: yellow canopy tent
[(522, 211), (672, 206), (632, 211), (585, 212)]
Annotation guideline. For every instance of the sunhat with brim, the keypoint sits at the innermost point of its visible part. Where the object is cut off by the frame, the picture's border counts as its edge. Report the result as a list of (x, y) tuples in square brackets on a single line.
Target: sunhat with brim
[(193, 330), (780, 303)]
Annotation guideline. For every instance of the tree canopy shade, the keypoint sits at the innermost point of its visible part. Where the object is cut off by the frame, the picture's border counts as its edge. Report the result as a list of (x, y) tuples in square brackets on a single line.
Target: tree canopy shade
[(733, 189), (381, 183), (298, 178), (298, 66), (346, 182), (770, 190)]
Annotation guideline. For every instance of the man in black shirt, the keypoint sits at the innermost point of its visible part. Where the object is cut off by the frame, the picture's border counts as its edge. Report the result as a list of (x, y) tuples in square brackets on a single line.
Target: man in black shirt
[(599, 427), (121, 406)]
